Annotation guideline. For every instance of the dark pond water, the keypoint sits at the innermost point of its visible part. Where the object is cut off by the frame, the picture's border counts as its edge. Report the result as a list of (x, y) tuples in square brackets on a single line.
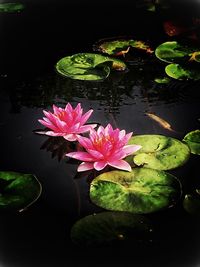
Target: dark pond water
[(31, 43)]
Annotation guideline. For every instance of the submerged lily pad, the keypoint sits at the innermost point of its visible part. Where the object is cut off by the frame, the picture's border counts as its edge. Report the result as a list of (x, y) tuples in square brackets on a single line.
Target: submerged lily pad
[(174, 52), (11, 7), (193, 141), (163, 80), (120, 47), (109, 228), (191, 204), (88, 66), (142, 190), (18, 190), (179, 72), (160, 152)]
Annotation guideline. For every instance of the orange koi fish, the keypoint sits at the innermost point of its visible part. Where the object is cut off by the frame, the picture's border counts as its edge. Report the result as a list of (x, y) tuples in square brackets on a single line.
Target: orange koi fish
[(160, 121)]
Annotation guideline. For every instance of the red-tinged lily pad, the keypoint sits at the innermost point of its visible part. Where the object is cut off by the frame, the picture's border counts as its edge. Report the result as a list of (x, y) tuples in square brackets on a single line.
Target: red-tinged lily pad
[(120, 46), (142, 190), (108, 228), (88, 66), (174, 52), (160, 152), (179, 72), (18, 190), (192, 139)]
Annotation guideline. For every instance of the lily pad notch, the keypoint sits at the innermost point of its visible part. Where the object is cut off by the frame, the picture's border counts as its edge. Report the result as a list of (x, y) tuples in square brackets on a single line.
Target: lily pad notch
[(88, 66), (140, 191)]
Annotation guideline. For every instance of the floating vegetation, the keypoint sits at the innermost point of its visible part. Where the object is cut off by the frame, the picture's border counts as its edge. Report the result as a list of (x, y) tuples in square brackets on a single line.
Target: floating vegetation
[(179, 72), (164, 80), (142, 190), (88, 66), (160, 152), (174, 52), (18, 190), (111, 228), (192, 139), (183, 59), (119, 47), (11, 7)]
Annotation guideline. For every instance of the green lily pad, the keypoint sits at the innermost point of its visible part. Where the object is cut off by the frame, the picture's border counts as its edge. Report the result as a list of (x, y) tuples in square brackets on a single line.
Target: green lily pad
[(160, 152), (174, 52), (88, 66), (11, 7), (179, 72), (192, 139), (162, 80), (142, 190), (18, 190), (191, 204), (109, 228), (120, 47)]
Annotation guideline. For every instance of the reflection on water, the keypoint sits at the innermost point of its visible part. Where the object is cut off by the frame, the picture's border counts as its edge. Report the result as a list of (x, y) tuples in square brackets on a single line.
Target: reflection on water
[(130, 88)]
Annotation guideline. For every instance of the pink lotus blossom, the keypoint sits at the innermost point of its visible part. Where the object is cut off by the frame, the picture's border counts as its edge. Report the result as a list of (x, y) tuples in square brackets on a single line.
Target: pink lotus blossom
[(104, 147), (67, 122)]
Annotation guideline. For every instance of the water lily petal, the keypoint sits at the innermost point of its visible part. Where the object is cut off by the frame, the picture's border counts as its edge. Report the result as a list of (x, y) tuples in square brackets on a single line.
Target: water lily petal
[(55, 110), (84, 141), (93, 135), (122, 133), (130, 149), (120, 164), (70, 137), (50, 116), (86, 128), (101, 131), (68, 108), (51, 133), (85, 166), (96, 154), (61, 125), (86, 116), (78, 109), (108, 129), (99, 165), (84, 156), (48, 125)]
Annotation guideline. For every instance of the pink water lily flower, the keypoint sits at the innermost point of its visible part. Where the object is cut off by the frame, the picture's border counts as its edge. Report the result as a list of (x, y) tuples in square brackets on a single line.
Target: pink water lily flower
[(104, 147), (67, 122)]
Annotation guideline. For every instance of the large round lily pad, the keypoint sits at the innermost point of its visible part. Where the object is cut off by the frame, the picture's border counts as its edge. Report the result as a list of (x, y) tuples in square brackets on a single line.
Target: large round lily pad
[(11, 7), (120, 46), (110, 228), (160, 152), (18, 190), (174, 52), (179, 72), (142, 190), (193, 141), (88, 66)]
